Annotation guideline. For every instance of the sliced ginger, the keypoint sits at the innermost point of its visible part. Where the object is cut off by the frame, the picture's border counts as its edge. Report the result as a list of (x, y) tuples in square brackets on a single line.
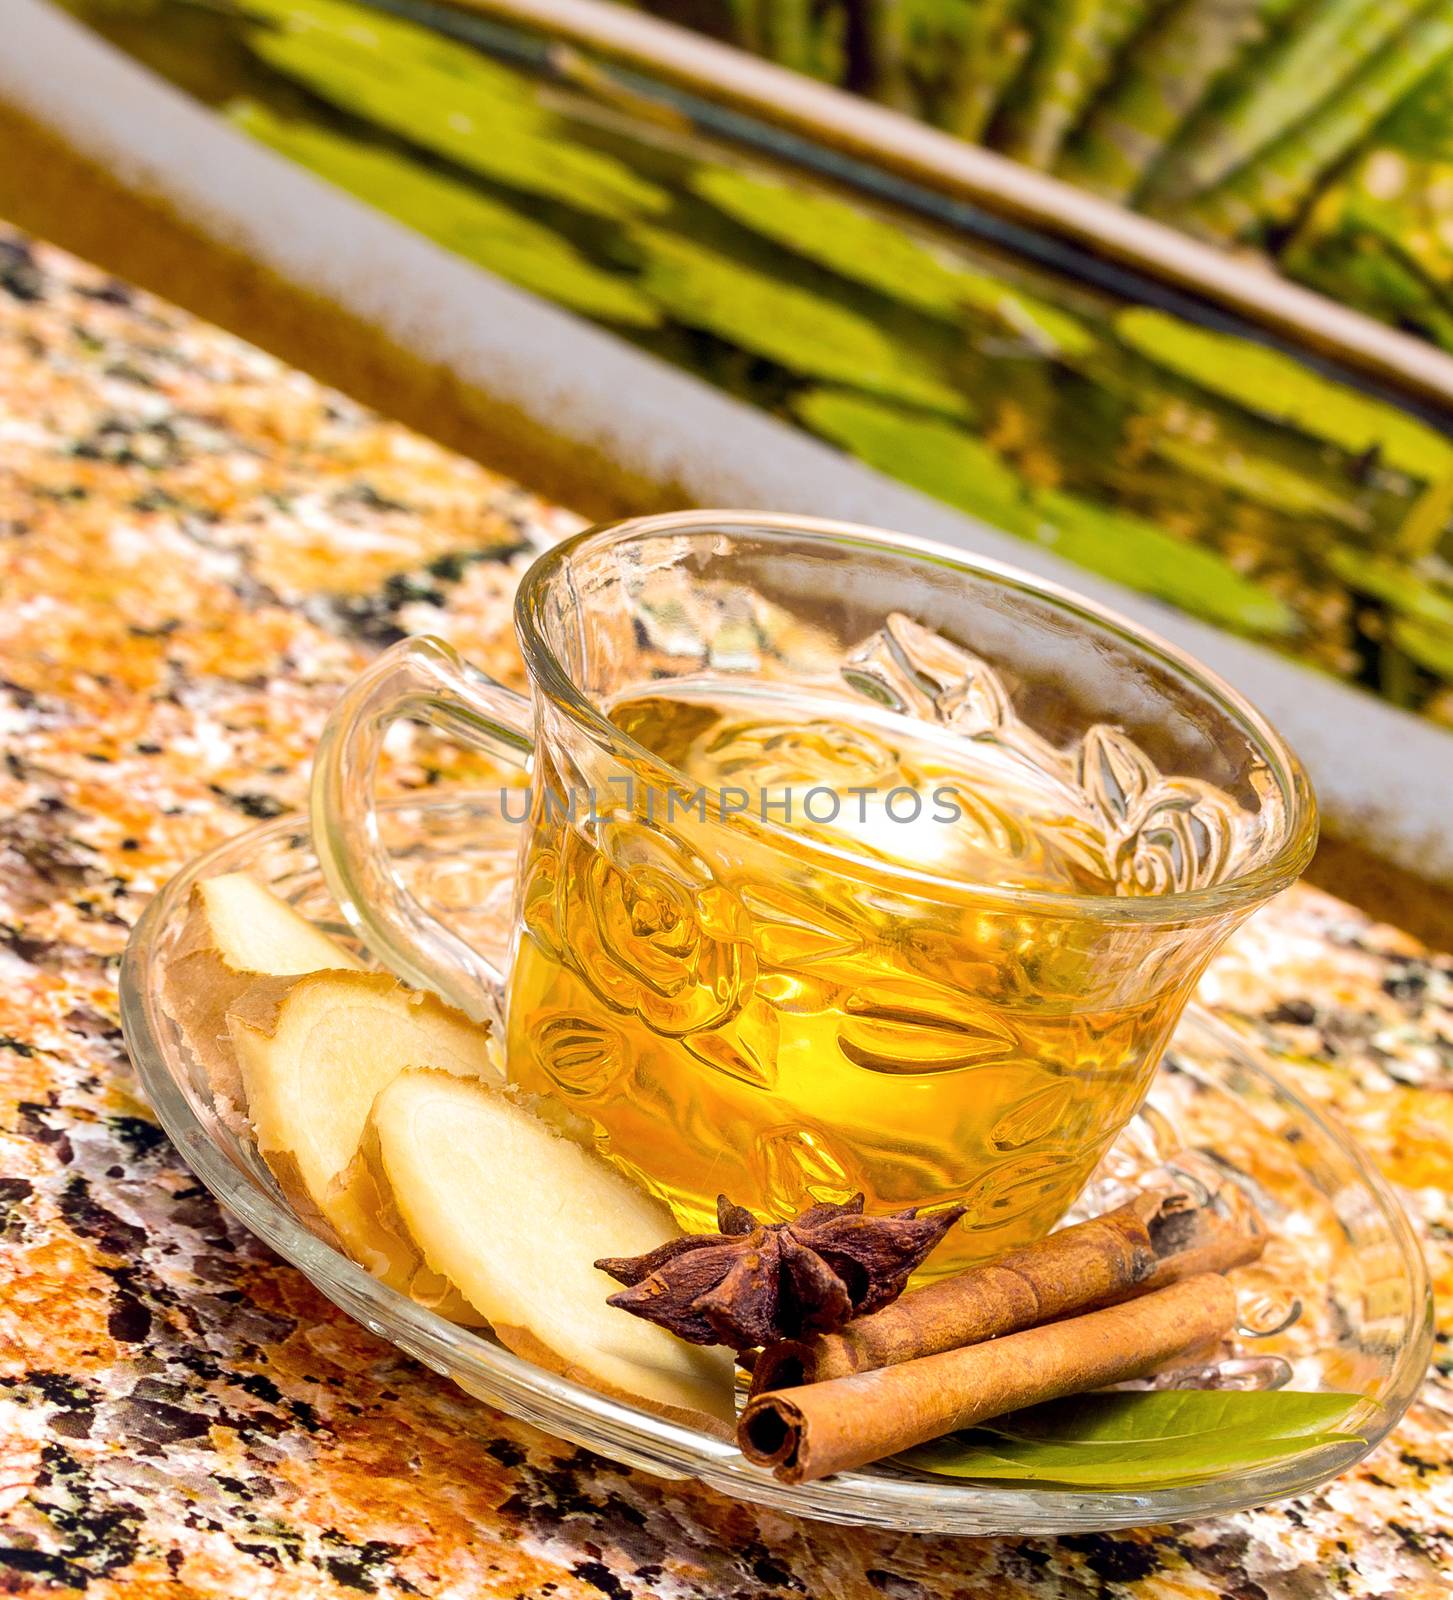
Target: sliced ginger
[(513, 1215), (236, 932), (313, 1052), (379, 1112)]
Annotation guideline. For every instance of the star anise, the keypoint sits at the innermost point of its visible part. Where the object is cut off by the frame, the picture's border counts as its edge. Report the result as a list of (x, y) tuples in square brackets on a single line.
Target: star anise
[(753, 1283)]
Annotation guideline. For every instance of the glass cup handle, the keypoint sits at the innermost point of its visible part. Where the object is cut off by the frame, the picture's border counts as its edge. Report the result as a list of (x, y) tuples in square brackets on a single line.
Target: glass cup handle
[(428, 681)]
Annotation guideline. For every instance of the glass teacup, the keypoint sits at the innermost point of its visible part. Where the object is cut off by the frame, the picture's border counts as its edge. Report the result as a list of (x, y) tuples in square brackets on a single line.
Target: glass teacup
[(848, 863)]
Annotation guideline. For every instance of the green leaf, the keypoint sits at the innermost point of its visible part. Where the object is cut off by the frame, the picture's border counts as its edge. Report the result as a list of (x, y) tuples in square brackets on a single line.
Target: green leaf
[(1038, 321), (1076, 44), (944, 461), (789, 325), (1431, 647), (872, 250), (1422, 125), (1277, 386), (506, 140), (1142, 1440), (1157, 85), (936, 457), (1142, 556), (1395, 584), (1156, 1415), (1282, 89), (1259, 478), (390, 44), (1272, 188), (461, 219)]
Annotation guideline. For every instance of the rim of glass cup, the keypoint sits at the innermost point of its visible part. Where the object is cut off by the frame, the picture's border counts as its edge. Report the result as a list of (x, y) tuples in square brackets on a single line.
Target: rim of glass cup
[(623, 1432), (1261, 879)]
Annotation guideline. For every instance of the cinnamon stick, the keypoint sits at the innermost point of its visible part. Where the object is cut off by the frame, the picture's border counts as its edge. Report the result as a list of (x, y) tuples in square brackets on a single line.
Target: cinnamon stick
[(1194, 1222), (815, 1429)]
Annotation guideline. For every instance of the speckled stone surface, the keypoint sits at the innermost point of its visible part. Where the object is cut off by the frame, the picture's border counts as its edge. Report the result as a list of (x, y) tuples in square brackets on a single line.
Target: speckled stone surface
[(197, 549)]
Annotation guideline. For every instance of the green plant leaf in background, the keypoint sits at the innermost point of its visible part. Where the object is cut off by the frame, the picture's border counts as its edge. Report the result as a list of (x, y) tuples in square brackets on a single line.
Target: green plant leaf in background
[(1145, 557), (866, 248), (799, 330), (1073, 55), (1379, 236), (872, 250), (1259, 478), (935, 457), (1422, 126), (497, 136), (1181, 53), (1429, 645), (458, 217), (1377, 233), (1143, 1439), (1275, 385), (1335, 253), (390, 44), (1396, 584), (971, 52), (1269, 190), (1230, 117), (952, 465), (1305, 65)]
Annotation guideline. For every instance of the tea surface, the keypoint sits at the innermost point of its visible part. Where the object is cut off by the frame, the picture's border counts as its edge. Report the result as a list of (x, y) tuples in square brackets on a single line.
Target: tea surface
[(893, 788)]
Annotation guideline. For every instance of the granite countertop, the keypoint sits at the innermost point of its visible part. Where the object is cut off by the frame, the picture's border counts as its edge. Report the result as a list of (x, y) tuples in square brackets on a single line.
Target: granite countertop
[(199, 547)]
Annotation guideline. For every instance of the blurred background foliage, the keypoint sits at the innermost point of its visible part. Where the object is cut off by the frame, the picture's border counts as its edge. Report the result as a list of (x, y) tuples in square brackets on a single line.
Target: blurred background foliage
[(1319, 132), (1234, 481)]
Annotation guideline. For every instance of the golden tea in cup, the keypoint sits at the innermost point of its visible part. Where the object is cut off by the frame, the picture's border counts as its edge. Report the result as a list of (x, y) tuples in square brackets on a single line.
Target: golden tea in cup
[(848, 864)]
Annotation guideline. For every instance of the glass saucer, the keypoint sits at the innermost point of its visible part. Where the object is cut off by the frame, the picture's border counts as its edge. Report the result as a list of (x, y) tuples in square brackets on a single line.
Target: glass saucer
[(1343, 1247)]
